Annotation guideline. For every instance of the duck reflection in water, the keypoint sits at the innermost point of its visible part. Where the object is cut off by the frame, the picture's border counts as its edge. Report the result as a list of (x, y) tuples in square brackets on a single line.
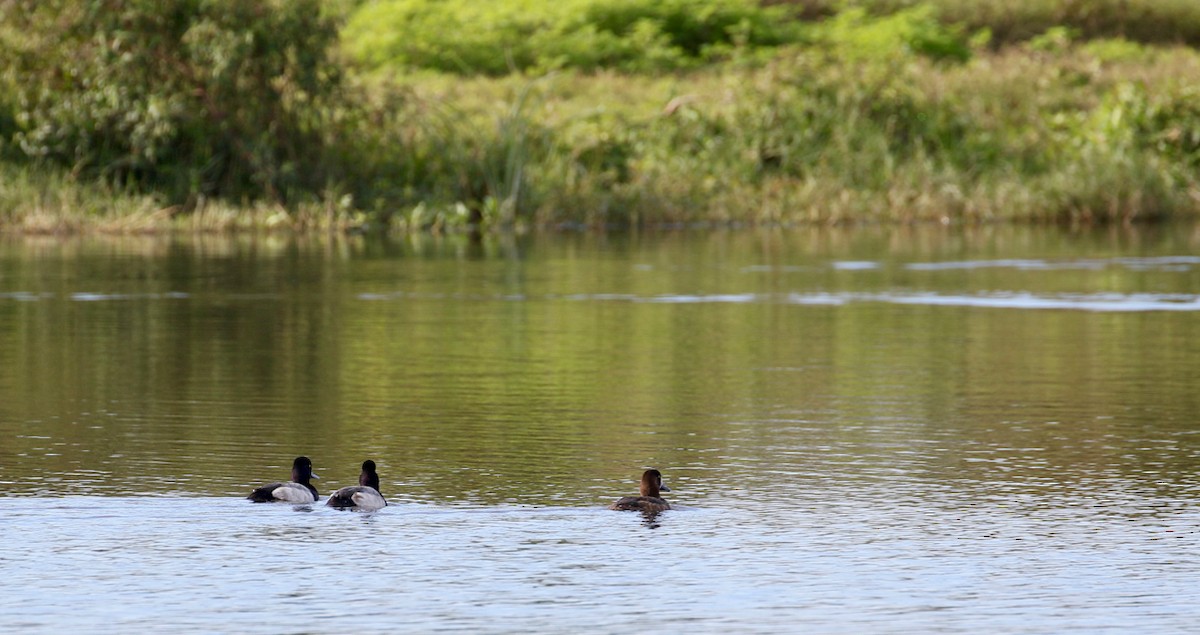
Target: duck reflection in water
[(649, 502), (650, 519)]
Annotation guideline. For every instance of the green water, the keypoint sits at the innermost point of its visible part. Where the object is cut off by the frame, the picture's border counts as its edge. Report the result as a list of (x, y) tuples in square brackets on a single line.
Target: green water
[(482, 370)]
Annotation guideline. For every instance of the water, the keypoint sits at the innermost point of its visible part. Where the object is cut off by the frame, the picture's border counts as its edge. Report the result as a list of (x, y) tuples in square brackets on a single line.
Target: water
[(864, 431)]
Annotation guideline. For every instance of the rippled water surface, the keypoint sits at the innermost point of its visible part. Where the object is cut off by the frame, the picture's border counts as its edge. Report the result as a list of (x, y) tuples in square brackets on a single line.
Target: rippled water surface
[(864, 431)]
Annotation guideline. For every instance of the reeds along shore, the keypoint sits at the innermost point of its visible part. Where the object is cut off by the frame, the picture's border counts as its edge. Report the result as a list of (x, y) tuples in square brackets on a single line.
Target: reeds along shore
[(857, 118)]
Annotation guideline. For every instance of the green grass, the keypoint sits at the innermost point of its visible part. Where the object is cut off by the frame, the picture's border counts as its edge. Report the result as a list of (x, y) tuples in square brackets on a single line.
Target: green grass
[(951, 110), (810, 137)]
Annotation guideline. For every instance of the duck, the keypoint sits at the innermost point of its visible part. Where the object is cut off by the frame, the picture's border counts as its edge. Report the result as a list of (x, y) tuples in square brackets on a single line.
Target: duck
[(298, 490), (649, 501), (364, 496)]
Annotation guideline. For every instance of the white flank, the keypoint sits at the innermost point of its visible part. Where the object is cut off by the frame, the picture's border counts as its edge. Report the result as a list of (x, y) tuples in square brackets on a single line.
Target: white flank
[(293, 493), (369, 499)]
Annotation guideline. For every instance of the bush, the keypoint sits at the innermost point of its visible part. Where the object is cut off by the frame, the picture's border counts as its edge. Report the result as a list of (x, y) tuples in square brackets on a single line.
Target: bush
[(185, 97), (470, 37), (856, 34)]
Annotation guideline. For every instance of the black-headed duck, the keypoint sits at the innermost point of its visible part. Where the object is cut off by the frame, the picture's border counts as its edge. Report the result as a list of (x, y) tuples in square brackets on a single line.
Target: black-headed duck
[(649, 501), (364, 496), (298, 490)]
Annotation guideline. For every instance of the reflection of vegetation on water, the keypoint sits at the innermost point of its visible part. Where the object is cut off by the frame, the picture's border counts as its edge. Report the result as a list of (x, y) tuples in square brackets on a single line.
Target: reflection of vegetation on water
[(515, 370), (137, 116)]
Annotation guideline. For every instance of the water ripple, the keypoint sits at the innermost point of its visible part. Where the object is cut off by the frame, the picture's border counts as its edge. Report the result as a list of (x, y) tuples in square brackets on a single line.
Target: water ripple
[(1103, 302), (1162, 263), (1097, 302)]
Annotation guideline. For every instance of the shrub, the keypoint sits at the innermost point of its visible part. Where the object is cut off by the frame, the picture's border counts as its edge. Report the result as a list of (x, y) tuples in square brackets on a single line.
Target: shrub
[(470, 37), (856, 34), (186, 97)]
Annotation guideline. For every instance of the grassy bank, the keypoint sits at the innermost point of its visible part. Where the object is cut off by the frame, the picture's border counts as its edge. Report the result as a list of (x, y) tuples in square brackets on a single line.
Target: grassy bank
[(878, 115), (1081, 135), (49, 201)]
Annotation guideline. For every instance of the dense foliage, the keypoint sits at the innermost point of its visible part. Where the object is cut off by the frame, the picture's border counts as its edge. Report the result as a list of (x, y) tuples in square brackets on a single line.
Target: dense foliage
[(669, 111), (188, 97), (466, 36)]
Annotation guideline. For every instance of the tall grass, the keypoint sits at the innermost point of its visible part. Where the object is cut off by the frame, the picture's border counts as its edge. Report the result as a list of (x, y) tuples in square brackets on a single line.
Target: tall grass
[(48, 201), (52, 202), (815, 138)]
